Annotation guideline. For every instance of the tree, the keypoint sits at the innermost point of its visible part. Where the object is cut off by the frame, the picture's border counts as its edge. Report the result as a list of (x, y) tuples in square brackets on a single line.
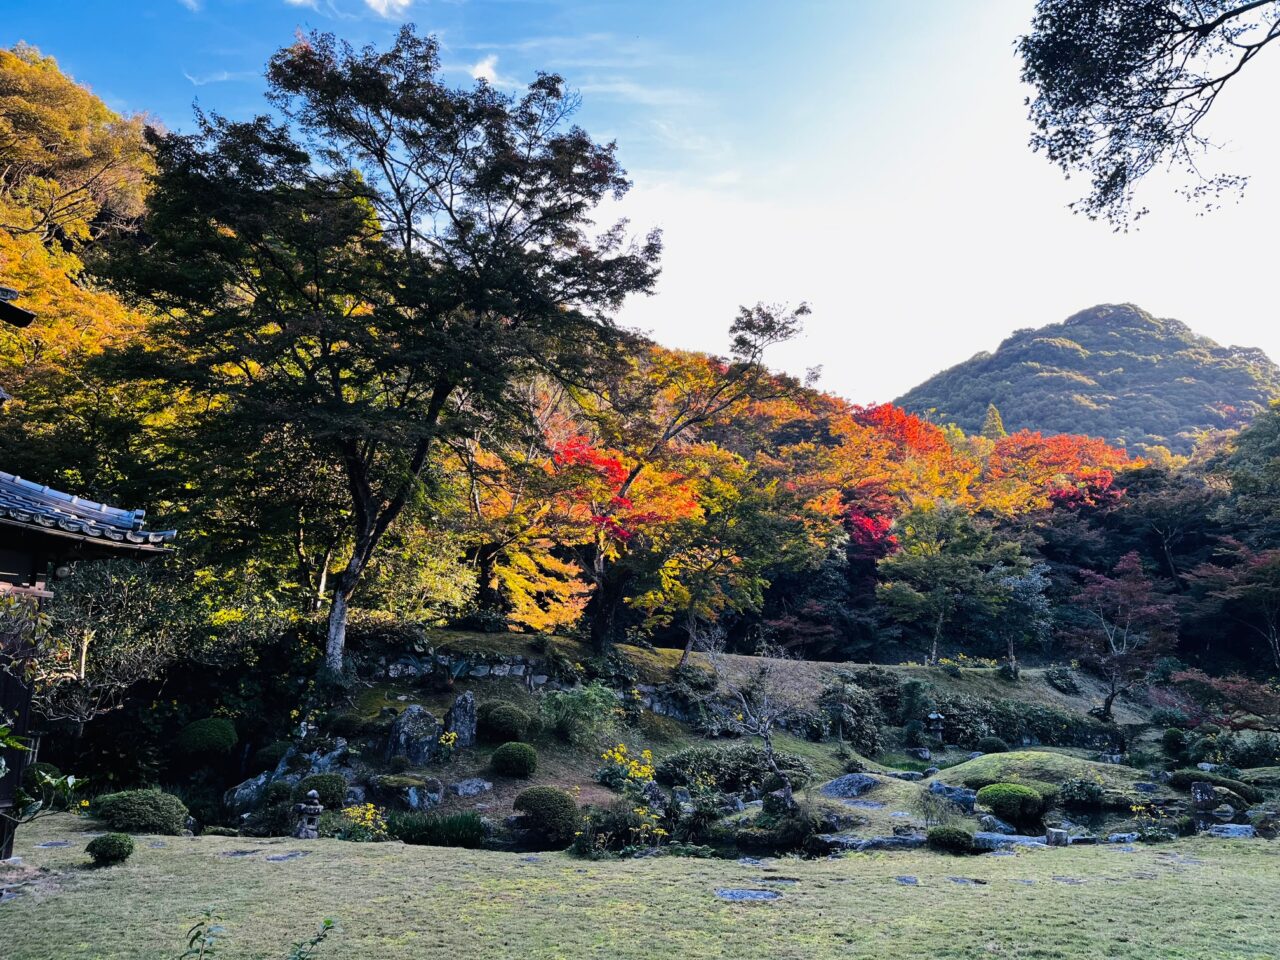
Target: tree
[(949, 571), (1247, 589), (1123, 87), (384, 267), (993, 424), (1123, 625), (1026, 616)]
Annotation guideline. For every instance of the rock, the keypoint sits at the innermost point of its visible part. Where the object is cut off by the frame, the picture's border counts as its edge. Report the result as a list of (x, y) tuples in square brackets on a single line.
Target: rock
[(982, 840), (655, 799), (403, 668), (407, 793), (1112, 758), (461, 719), (908, 841), (354, 794), (975, 755), (248, 795), (471, 787), (1224, 812), (993, 824), (1232, 831), (415, 735), (918, 753), (909, 775), (849, 786), (746, 896), (1203, 796), (1086, 839), (681, 795), (908, 881), (962, 797), (1143, 787), (1265, 821), (480, 671), (538, 679), (931, 772), (1207, 767), (1122, 838), (1057, 838), (501, 670)]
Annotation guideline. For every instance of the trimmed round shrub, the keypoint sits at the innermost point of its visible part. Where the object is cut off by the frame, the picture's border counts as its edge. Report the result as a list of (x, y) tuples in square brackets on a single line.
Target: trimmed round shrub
[(949, 840), (502, 722), (269, 757), (991, 745), (210, 737), (1012, 802), (278, 791), (1079, 793), (550, 816), (216, 831), (332, 788), (1174, 742), (515, 759), (741, 767), (30, 774), (142, 811), (110, 849)]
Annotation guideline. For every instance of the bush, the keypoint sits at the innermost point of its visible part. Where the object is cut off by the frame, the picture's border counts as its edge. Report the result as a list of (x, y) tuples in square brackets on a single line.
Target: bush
[(1168, 717), (31, 777), (274, 819), (502, 722), (219, 832), (949, 840), (515, 760), (1182, 780), (210, 737), (789, 834), (991, 745), (967, 719), (1252, 749), (550, 816), (735, 769), (142, 811), (1012, 802), (279, 791), (269, 757), (854, 714), (398, 764), (913, 734), (110, 849), (1174, 742), (332, 788), (438, 829), (1062, 680), (584, 716), (1079, 793)]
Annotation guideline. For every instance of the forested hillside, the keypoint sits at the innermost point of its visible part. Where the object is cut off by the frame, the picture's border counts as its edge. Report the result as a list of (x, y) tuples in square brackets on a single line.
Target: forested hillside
[(1112, 371)]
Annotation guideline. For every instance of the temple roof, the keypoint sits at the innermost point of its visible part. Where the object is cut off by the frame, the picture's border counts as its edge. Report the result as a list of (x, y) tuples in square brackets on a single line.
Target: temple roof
[(24, 503)]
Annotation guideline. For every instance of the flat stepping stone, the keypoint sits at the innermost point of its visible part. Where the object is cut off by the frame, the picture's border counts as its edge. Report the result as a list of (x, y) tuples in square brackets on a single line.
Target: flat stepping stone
[(48, 844), (751, 861), (1070, 881), (785, 881), (865, 804), (237, 853), (530, 859), (968, 881), (908, 881), (1122, 848), (736, 895), (291, 855), (7, 895), (1026, 883), (157, 844)]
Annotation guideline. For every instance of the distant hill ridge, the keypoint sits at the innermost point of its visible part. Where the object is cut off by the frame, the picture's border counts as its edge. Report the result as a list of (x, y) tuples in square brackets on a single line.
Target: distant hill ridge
[(1112, 371)]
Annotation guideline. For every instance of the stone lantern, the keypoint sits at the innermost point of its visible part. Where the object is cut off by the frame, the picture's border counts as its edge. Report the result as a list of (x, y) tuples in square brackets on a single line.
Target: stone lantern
[(309, 817), (935, 725)]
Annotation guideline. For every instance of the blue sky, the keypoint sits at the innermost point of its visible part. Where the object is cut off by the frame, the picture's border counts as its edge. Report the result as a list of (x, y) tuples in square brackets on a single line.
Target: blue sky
[(868, 156)]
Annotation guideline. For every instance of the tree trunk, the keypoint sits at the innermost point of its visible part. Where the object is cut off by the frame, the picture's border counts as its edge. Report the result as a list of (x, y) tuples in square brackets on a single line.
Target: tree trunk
[(1107, 703), (336, 641), (937, 638), (691, 631)]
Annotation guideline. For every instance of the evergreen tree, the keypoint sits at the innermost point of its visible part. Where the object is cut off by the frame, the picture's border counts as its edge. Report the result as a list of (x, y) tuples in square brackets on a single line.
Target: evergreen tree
[(993, 424)]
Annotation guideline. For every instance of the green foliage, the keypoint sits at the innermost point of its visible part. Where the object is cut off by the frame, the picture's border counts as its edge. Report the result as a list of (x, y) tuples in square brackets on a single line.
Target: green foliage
[(1080, 793), (585, 716), (740, 768), (550, 816), (515, 760), (142, 811), (1183, 779), (332, 788), (792, 833), (991, 745), (501, 722), (464, 829), (110, 849), (952, 840), (217, 831), (207, 738), (1174, 743), (33, 780), (1012, 801), (1167, 717), (968, 719), (853, 714), (1112, 371), (1062, 679)]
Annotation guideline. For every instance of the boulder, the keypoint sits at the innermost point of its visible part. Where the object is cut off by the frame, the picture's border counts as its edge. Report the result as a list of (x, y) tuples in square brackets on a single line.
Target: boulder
[(655, 799), (839, 841), (1057, 838), (918, 753), (849, 786), (962, 797), (1232, 831), (461, 719), (471, 787), (983, 840), (1203, 796), (1207, 767), (248, 795), (407, 793), (415, 735), (993, 824), (909, 775), (1122, 838), (931, 772), (974, 755)]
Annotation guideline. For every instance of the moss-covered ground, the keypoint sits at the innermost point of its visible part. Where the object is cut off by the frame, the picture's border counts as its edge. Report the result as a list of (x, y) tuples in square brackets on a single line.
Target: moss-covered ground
[(1189, 900)]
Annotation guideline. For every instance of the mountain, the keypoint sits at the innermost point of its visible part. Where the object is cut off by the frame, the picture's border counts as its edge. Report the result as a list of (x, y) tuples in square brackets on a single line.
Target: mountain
[(1112, 371)]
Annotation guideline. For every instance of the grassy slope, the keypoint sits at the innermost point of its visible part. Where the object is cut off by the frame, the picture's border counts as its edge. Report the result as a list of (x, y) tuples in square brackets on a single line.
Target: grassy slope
[(417, 902)]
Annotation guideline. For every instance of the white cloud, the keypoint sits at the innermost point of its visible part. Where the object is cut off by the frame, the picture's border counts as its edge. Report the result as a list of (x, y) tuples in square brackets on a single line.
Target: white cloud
[(301, 3), (388, 8), (219, 76), (192, 5), (486, 69)]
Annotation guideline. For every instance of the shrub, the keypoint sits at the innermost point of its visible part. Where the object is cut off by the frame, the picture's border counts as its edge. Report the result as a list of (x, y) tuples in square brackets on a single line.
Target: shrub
[(359, 823), (584, 716), (210, 737), (913, 734), (1168, 717), (788, 834), (621, 826), (550, 816), (1080, 793), (853, 713), (438, 829), (269, 757), (502, 722), (332, 788), (142, 811), (515, 760), (991, 745), (1252, 749), (274, 819), (219, 832), (110, 849), (1062, 680), (949, 840), (279, 791), (398, 764), (732, 769), (1174, 742), (967, 719), (31, 780), (1012, 802)]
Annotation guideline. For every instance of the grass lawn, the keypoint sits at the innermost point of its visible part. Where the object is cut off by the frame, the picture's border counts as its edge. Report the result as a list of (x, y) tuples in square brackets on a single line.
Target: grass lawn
[(1194, 899)]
